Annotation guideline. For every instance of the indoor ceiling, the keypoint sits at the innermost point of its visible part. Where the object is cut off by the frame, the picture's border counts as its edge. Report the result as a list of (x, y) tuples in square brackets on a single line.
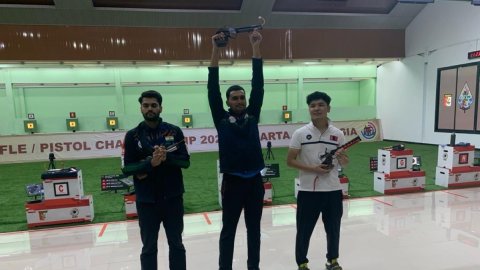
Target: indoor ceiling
[(279, 14), (334, 14)]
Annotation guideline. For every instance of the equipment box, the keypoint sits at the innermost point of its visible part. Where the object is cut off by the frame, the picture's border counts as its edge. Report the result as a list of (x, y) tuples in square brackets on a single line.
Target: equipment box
[(130, 205), (390, 161), (455, 156), (50, 212), (62, 184), (399, 182), (458, 176)]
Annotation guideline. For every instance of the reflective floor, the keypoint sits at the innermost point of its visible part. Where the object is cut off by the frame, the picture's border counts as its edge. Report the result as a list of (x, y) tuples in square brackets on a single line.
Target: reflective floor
[(434, 230)]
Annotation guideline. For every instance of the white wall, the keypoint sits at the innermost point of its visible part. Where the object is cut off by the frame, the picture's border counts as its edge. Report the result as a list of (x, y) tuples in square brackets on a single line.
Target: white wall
[(399, 99), (441, 35)]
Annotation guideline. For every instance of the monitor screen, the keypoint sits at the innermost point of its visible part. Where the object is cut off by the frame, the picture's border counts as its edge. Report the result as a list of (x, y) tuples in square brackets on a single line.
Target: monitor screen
[(34, 189), (373, 164), (476, 158), (417, 161)]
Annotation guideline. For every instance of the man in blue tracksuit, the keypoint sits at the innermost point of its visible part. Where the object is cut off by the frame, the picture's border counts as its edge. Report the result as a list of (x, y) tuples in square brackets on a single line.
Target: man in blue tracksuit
[(241, 158), (155, 153)]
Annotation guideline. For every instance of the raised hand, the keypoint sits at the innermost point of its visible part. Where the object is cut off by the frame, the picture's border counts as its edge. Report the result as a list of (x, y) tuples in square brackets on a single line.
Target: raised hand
[(255, 38), (219, 36)]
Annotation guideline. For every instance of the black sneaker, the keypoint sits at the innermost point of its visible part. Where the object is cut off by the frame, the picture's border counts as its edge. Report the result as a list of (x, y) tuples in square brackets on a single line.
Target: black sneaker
[(333, 265), (303, 266)]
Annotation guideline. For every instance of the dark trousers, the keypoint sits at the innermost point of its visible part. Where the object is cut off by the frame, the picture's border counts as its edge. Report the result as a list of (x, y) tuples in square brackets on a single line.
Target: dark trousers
[(150, 216), (309, 207), (237, 194)]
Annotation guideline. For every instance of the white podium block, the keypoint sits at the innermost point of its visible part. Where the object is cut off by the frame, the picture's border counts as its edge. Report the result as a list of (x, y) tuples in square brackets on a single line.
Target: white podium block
[(466, 176), (59, 211), (394, 160), (130, 205), (455, 156), (62, 184), (399, 182)]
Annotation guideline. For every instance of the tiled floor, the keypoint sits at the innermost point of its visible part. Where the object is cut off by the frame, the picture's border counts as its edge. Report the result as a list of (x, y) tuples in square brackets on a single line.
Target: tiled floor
[(424, 231)]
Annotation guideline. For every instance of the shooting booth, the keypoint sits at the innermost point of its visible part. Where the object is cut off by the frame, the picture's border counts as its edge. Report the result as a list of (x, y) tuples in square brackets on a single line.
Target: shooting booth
[(455, 166), (62, 199), (395, 174)]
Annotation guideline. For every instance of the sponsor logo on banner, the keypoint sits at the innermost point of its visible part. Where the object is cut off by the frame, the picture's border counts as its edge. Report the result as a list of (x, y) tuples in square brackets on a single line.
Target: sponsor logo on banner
[(369, 131)]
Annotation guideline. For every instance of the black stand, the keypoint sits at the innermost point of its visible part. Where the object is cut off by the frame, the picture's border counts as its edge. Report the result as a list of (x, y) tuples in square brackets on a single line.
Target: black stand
[(269, 151), (51, 165)]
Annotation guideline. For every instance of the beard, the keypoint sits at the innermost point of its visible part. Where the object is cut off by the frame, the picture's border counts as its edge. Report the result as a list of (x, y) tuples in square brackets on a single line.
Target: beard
[(151, 116), (238, 110)]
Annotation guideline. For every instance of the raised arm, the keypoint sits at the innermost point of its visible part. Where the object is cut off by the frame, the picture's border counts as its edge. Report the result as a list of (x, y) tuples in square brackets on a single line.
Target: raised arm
[(256, 96), (214, 96)]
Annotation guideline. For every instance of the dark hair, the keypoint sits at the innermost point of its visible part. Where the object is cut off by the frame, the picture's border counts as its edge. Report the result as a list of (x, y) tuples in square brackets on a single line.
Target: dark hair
[(318, 95), (151, 94), (234, 88)]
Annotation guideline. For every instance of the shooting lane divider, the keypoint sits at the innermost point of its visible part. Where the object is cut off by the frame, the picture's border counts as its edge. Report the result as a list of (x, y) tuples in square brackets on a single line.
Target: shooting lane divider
[(380, 201), (104, 227), (455, 194), (207, 219)]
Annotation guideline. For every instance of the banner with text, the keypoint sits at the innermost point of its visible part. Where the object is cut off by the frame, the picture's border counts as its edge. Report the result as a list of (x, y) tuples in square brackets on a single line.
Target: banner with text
[(37, 147)]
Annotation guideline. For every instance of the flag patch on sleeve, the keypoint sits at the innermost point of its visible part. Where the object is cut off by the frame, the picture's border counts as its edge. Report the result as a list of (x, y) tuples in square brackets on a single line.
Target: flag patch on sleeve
[(333, 138)]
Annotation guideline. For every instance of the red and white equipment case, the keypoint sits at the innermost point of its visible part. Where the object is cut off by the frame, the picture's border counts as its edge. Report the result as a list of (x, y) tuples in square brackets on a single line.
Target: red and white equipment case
[(455, 167), (63, 202), (394, 173)]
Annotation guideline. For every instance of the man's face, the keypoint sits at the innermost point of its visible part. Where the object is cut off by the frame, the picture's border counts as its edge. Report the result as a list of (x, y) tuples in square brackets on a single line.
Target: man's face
[(236, 101), (318, 109), (150, 109)]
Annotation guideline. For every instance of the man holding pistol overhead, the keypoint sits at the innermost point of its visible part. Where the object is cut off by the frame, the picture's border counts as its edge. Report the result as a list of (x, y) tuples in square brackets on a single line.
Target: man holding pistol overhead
[(241, 158)]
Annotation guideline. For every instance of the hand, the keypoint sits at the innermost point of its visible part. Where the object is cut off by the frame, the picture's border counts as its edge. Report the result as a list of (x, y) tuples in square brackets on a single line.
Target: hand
[(141, 176), (159, 155), (322, 169), (255, 38), (219, 36), (342, 157)]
